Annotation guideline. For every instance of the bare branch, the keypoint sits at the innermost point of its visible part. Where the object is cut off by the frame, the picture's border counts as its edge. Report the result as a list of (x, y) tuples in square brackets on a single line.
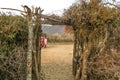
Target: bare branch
[(112, 5), (26, 9), (13, 9)]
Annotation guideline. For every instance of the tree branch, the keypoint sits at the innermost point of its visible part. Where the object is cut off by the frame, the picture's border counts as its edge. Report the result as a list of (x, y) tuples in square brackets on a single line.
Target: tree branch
[(14, 9), (112, 5)]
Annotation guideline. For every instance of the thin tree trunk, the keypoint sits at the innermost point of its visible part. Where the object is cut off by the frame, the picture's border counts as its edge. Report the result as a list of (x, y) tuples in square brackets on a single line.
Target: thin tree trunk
[(30, 42), (84, 65), (30, 49), (36, 49), (74, 52)]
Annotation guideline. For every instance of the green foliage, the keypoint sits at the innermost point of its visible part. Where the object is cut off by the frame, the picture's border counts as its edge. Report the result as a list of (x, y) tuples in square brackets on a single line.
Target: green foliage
[(13, 45), (13, 31)]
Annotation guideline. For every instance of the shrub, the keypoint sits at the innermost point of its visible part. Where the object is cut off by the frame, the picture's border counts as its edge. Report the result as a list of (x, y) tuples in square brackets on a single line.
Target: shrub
[(13, 46)]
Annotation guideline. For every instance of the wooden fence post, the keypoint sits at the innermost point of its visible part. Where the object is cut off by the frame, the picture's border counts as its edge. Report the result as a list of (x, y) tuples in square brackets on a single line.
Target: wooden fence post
[(30, 42), (36, 44)]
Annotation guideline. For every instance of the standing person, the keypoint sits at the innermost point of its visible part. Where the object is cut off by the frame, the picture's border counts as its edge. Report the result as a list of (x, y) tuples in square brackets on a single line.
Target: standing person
[(45, 42), (42, 42)]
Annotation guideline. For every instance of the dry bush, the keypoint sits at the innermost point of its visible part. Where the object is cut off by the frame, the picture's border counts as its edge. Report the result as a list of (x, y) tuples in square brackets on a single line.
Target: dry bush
[(97, 40), (13, 65), (104, 66)]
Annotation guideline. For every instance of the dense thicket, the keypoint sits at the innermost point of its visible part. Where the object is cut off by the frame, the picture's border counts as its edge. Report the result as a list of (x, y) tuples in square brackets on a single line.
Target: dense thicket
[(97, 41), (13, 46)]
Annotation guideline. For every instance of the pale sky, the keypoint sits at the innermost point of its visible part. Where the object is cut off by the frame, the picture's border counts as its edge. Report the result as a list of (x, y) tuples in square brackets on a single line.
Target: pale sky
[(49, 6)]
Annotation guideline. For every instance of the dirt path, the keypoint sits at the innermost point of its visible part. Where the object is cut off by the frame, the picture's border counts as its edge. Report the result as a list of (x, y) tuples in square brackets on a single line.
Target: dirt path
[(57, 62)]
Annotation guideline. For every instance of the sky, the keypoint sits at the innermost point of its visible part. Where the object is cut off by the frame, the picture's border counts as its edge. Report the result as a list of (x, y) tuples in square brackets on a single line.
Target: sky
[(49, 6)]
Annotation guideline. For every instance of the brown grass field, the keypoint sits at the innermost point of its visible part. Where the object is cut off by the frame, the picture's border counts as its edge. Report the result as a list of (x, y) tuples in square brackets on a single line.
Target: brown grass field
[(57, 61)]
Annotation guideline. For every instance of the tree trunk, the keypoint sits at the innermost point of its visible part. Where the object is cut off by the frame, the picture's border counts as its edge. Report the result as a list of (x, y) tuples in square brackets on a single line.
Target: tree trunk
[(30, 49), (36, 48), (74, 51)]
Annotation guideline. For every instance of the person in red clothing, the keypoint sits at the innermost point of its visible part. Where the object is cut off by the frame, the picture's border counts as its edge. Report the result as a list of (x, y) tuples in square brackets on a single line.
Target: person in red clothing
[(42, 41)]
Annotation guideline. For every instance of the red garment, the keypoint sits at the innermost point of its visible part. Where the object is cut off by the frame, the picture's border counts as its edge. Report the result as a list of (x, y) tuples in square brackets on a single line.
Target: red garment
[(42, 39), (42, 42)]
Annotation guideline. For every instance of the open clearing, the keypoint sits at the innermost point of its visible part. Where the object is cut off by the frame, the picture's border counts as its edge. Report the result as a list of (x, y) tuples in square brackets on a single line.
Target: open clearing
[(57, 61)]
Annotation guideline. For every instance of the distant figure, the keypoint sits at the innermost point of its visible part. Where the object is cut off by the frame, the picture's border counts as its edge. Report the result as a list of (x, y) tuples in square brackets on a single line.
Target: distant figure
[(43, 42)]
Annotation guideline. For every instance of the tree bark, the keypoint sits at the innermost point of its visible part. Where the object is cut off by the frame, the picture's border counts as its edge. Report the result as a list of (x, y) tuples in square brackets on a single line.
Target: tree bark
[(30, 49)]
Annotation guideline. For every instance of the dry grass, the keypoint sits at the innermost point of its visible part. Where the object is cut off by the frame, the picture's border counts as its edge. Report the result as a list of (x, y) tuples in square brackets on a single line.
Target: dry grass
[(61, 38), (57, 61)]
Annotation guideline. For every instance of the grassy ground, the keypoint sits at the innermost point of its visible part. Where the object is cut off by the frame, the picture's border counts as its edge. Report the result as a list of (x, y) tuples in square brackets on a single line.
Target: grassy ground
[(57, 61)]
